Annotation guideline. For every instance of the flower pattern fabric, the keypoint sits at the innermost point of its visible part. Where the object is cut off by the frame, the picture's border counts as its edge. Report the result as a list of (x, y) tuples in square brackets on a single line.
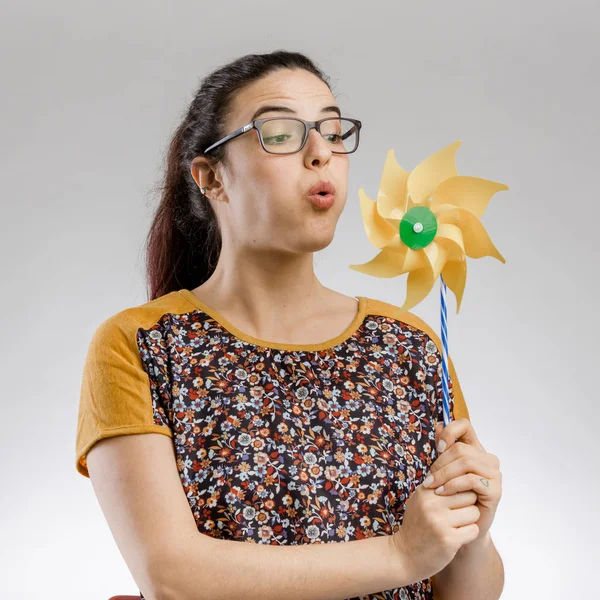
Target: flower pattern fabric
[(279, 446)]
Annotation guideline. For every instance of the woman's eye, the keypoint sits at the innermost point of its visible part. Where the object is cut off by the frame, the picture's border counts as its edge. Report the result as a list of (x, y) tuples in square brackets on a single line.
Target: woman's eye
[(279, 138)]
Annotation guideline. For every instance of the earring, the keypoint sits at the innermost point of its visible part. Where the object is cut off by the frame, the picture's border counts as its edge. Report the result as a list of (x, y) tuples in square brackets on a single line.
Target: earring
[(202, 190)]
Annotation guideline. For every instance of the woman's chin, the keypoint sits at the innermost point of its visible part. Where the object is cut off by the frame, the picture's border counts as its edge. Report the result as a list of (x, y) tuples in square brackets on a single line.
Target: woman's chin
[(317, 241)]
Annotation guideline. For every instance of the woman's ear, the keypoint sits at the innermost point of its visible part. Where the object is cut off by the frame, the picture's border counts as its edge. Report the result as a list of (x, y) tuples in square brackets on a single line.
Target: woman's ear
[(200, 170), (205, 174)]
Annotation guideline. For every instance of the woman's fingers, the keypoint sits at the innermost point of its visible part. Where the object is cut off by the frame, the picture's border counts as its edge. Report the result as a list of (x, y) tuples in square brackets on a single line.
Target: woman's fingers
[(460, 499), (467, 515)]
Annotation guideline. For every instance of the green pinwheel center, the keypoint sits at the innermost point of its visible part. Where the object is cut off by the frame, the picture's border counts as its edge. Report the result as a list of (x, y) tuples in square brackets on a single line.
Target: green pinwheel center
[(418, 227)]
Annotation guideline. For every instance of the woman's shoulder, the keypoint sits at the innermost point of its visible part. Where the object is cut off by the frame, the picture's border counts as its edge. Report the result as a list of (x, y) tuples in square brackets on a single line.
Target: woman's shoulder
[(428, 335), (381, 308), (144, 315)]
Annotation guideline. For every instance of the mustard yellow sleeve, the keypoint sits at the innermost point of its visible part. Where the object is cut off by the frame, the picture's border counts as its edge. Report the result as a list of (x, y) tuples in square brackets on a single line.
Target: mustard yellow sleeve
[(461, 410), (117, 396)]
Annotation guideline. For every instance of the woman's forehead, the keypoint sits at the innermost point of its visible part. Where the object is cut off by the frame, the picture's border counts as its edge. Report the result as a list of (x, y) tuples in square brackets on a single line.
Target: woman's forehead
[(302, 92)]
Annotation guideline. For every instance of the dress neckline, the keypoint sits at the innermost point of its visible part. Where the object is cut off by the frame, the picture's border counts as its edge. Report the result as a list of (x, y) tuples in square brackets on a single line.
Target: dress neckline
[(238, 333)]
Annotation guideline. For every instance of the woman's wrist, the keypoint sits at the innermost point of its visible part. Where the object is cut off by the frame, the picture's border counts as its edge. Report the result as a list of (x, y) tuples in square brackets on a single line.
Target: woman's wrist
[(399, 565)]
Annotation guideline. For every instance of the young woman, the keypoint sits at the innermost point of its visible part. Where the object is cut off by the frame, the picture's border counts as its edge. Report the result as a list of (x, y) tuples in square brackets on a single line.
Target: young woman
[(266, 407)]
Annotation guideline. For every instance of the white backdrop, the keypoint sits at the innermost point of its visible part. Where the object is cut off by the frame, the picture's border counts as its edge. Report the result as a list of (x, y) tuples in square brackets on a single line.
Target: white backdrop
[(91, 93)]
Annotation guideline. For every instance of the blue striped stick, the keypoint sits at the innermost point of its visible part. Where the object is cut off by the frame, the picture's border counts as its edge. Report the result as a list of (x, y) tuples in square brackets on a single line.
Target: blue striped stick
[(445, 377)]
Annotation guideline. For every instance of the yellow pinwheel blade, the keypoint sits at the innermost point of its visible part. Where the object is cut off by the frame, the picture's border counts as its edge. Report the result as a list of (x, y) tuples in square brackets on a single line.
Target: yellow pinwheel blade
[(390, 263), (378, 230), (476, 239), (450, 237), (455, 277), (436, 255), (424, 179), (421, 280), (391, 198), (418, 286), (471, 193)]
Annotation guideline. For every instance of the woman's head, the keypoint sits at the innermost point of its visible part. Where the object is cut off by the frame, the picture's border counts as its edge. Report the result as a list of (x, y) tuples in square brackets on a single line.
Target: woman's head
[(253, 201)]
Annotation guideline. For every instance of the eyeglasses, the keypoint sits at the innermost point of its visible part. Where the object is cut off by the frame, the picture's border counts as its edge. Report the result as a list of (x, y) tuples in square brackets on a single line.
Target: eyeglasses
[(288, 135)]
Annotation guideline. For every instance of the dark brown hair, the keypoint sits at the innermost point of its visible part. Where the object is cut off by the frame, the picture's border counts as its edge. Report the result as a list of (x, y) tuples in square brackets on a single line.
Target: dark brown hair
[(184, 241)]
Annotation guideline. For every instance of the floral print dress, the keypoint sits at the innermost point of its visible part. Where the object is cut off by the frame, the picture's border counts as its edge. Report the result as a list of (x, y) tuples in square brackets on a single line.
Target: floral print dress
[(275, 444)]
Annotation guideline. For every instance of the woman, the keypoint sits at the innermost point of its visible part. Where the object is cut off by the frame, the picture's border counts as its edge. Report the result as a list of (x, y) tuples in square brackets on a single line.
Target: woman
[(268, 408)]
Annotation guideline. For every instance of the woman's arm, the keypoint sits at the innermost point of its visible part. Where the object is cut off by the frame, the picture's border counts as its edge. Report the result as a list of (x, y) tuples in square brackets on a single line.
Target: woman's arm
[(224, 569), (136, 481)]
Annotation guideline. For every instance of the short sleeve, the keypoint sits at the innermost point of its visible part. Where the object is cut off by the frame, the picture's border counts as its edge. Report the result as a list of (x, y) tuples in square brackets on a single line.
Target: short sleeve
[(117, 396)]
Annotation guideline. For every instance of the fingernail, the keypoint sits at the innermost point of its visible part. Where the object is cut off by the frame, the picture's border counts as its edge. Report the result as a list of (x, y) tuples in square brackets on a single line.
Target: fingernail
[(428, 480), (439, 490), (441, 446)]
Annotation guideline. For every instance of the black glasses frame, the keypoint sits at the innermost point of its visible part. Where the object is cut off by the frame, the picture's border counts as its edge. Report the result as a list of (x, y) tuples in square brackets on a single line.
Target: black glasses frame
[(308, 125)]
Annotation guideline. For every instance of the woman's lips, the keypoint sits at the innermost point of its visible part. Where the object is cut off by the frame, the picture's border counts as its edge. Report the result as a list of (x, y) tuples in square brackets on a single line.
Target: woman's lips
[(322, 194), (322, 200)]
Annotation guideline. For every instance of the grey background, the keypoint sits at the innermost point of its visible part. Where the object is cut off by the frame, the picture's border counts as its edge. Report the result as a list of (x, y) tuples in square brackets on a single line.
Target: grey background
[(92, 92)]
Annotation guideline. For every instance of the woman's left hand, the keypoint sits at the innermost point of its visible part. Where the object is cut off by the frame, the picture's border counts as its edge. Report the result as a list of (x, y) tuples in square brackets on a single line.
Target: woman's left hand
[(465, 465)]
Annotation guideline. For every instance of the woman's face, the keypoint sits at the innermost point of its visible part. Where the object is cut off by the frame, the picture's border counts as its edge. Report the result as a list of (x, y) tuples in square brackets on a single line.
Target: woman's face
[(262, 201)]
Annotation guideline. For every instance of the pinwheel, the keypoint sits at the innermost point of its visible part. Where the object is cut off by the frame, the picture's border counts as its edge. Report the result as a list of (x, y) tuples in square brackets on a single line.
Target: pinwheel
[(426, 223)]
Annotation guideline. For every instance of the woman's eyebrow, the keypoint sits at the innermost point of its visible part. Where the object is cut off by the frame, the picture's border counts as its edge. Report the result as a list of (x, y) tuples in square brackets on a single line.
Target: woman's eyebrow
[(270, 108)]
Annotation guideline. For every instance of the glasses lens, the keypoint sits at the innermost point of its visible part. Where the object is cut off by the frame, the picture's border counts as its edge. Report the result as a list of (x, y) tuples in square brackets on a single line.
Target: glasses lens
[(283, 136), (342, 134)]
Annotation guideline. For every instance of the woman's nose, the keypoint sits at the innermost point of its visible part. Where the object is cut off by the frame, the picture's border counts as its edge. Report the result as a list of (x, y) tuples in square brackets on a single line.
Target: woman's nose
[(316, 144)]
